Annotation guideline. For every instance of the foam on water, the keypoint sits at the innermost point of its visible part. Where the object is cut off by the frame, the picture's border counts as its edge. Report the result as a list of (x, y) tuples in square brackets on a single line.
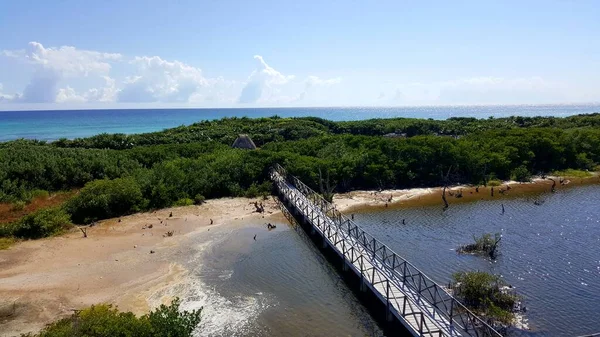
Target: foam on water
[(223, 316)]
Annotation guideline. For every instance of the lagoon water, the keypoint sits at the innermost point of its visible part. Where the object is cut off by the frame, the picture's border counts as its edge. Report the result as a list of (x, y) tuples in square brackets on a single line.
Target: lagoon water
[(52, 125), (280, 285)]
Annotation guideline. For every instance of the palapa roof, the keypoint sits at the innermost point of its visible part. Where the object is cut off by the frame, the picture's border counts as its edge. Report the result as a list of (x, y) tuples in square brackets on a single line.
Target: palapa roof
[(243, 141)]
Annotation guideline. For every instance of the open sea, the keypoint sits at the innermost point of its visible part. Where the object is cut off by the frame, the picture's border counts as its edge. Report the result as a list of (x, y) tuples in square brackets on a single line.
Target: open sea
[(55, 124)]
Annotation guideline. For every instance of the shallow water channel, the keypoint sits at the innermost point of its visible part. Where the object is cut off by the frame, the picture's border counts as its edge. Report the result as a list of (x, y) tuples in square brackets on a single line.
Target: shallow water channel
[(280, 285)]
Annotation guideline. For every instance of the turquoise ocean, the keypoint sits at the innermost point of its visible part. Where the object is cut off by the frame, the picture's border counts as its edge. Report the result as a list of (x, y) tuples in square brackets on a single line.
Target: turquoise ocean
[(55, 124)]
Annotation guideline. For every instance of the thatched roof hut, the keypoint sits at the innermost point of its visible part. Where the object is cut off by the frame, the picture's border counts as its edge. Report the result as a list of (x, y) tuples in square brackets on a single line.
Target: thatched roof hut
[(244, 142)]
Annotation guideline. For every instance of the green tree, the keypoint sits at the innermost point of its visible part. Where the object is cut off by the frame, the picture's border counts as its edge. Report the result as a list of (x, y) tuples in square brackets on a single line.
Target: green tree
[(39, 224), (103, 199)]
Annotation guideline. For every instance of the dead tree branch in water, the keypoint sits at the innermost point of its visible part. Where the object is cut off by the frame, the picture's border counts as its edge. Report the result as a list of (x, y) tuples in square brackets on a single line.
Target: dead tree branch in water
[(553, 188), (444, 199), (486, 244)]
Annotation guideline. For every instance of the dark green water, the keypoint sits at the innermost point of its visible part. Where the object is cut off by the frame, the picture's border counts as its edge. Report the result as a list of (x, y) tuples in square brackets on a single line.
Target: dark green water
[(280, 285)]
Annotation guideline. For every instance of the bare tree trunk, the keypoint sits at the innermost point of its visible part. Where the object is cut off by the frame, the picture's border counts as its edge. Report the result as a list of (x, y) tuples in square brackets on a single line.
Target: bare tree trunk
[(327, 190), (493, 250), (553, 188), (444, 198)]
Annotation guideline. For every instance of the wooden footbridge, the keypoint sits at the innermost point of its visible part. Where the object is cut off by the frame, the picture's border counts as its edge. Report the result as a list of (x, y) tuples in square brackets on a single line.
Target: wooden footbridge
[(407, 295)]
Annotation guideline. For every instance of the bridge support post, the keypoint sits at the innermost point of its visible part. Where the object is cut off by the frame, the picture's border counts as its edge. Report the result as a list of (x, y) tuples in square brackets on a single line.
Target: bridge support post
[(363, 285)]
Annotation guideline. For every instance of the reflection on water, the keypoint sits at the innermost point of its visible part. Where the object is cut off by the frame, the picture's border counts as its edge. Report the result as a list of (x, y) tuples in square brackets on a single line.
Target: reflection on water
[(280, 285)]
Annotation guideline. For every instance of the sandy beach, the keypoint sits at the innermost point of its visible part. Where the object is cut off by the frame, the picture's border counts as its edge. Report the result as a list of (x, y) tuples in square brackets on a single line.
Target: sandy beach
[(128, 260), (122, 261), (360, 200)]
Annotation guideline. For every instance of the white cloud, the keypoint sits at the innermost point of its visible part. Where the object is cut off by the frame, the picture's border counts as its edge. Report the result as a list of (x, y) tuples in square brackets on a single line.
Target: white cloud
[(316, 81), (160, 80), (68, 95), (51, 65), (480, 90), (70, 75), (66, 60), (108, 93), (3, 96), (260, 83)]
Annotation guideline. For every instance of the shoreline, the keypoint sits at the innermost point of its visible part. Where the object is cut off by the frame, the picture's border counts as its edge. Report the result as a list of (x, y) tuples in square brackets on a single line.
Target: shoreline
[(45, 280), (122, 262), (360, 200)]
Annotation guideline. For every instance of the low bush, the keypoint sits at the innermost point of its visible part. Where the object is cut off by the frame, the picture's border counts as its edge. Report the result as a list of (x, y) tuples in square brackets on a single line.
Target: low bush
[(521, 174), (18, 206), (252, 191), (494, 183), (5, 243), (39, 224), (199, 199), (184, 202), (102, 199), (486, 294), (106, 321), (571, 173), (485, 244)]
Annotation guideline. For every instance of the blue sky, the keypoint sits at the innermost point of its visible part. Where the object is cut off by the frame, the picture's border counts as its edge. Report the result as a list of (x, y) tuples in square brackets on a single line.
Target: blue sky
[(104, 54)]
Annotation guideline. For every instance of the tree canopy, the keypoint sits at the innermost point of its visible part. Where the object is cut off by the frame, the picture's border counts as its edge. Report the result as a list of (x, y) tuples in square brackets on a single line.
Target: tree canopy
[(120, 174)]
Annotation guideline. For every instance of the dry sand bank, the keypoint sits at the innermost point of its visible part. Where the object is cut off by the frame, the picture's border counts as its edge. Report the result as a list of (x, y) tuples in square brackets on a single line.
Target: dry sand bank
[(43, 280), (362, 200)]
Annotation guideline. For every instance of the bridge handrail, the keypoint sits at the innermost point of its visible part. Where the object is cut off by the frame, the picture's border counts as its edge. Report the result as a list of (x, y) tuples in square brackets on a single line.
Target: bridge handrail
[(412, 276)]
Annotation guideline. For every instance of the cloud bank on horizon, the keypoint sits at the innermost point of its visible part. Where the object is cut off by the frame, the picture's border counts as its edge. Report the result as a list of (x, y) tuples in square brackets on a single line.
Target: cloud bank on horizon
[(65, 75)]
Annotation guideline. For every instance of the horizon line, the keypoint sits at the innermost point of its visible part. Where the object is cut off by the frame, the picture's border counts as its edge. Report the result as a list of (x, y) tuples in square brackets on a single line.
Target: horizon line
[(302, 107)]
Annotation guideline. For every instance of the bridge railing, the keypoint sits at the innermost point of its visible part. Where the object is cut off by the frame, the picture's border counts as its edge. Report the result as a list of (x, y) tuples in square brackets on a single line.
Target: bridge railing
[(355, 253), (428, 291)]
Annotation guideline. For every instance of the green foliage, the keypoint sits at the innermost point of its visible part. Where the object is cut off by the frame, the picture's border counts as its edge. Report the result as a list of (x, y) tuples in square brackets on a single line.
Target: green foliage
[(521, 174), (486, 294), (127, 173), (168, 321), (106, 321), (6, 230), (40, 224), (5, 243), (494, 183), (571, 173), (199, 199), (485, 244), (184, 202), (41, 194), (18, 205), (252, 191), (103, 199)]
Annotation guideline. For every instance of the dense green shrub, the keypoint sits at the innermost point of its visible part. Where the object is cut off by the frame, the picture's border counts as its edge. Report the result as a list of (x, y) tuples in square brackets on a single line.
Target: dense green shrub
[(39, 224), (107, 321), (521, 174), (18, 205), (199, 199), (486, 294), (103, 199), (184, 202)]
